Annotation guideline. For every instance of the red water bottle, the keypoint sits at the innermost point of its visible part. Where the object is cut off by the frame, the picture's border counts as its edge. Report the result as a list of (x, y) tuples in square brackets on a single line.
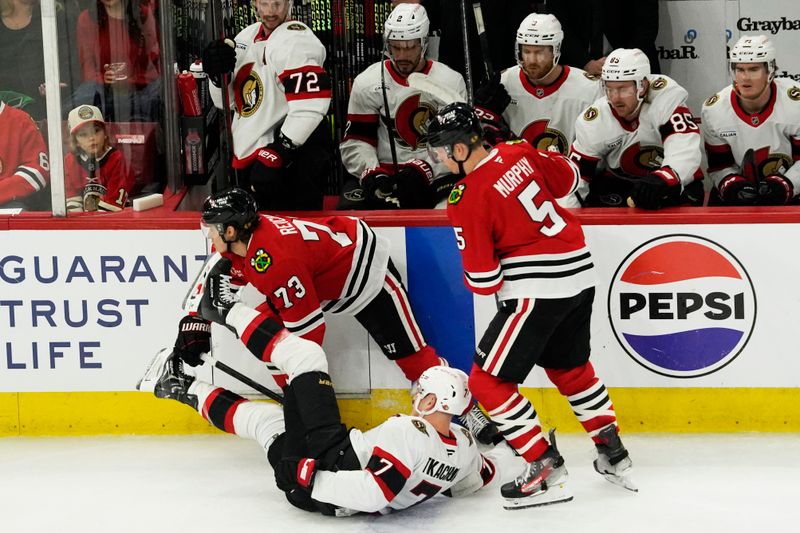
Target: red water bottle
[(190, 99)]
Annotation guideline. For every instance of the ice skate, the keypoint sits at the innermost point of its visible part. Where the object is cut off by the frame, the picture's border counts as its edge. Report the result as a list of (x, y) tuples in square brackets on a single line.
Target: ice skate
[(612, 460), (483, 429), (166, 378), (543, 482)]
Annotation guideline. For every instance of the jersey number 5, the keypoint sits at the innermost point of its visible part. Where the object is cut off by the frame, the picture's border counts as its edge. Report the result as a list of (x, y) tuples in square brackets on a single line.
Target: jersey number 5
[(541, 212)]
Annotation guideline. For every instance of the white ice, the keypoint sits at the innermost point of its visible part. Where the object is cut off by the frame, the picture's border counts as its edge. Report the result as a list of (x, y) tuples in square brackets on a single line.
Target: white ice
[(219, 483)]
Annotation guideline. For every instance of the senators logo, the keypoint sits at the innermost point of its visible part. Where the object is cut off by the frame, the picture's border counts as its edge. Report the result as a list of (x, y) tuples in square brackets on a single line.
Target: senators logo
[(419, 425), (543, 138), (591, 113), (794, 93), (467, 434), (261, 261), (248, 91), (711, 100), (456, 194), (639, 160), (410, 120), (770, 163), (659, 84)]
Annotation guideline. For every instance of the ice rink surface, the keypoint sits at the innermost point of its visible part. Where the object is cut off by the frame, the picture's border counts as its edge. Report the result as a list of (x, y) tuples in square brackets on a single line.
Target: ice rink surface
[(220, 483)]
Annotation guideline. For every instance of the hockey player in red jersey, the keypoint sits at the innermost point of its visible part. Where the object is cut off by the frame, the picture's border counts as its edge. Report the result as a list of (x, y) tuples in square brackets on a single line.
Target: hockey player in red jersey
[(282, 145), (391, 160), (516, 242), (639, 141), (24, 168), (306, 268), (758, 115)]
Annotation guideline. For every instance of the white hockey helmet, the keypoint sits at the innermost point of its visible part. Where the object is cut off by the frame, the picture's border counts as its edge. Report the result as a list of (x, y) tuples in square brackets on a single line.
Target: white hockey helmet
[(407, 22), (754, 49), (627, 64), (541, 30), (449, 385)]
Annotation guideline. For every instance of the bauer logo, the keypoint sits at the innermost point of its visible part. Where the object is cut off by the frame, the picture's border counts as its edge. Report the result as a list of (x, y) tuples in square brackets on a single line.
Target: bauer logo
[(682, 306)]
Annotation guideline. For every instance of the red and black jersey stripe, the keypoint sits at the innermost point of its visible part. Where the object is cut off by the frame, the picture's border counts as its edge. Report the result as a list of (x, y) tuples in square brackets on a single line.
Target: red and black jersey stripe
[(719, 157), (310, 81), (389, 472), (362, 127), (219, 408)]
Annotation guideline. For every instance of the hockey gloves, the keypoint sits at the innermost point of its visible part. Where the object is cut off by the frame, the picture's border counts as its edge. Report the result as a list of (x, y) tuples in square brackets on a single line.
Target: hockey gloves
[(194, 339), (219, 58), (656, 190), (413, 188), (493, 95), (378, 187), (737, 190), (775, 190), (495, 128), (215, 293), (293, 473), (266, 170)]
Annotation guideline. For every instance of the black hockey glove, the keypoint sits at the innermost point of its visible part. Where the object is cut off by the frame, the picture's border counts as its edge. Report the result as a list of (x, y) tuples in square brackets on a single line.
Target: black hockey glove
[(656, 190), (495, 128), (378, 187), (775, 190), (295, 473), (194, 339), (736, 190), (269, 164), (219, 57), (219, 293), (414, 185), (493, 95)]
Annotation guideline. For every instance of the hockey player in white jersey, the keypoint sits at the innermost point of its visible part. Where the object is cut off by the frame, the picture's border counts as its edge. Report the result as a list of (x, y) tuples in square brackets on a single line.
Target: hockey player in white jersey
[(280, 95), (402, 462), (751, 130), (638, 144), (384, 146)]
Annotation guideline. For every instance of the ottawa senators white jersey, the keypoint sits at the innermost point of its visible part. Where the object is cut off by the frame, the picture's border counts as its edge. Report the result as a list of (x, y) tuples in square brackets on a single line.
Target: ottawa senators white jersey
[(664, 135), (405, 461), (515, 239), (24, 168), (545, 116), (307, 266), (366, 140), (277, 84), (773, 134)]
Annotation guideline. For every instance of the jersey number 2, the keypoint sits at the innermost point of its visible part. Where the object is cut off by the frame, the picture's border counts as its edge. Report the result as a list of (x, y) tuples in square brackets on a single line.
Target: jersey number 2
[(541, 212)]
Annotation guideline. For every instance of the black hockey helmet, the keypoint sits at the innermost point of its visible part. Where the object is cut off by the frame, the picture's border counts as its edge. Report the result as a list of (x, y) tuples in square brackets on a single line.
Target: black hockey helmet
[(231, 207), (454, 123)]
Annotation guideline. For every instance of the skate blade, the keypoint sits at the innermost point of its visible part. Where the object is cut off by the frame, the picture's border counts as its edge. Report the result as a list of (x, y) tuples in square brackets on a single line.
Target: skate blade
[(556, 494), (622, 481), (148, 379)]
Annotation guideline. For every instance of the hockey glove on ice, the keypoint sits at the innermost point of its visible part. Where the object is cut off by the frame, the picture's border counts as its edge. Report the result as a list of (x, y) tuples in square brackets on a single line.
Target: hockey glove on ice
[(736, 190), (775, 190), (493, 95), (656, 190), (293, 472), (194, 339), (219, 58)]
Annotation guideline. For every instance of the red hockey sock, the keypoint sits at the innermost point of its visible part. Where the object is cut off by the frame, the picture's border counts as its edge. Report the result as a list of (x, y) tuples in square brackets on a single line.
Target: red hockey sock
[(587, 395), (415, 364)]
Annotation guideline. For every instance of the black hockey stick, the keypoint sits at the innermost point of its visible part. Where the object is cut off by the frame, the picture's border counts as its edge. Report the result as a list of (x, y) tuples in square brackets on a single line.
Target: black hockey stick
[(226, 150), (467, 64), (272, 395), (387, 119), (484, 40)]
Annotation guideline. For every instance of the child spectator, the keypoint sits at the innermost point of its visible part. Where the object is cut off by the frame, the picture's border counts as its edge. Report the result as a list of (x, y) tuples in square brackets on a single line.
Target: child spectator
[(97, 176)]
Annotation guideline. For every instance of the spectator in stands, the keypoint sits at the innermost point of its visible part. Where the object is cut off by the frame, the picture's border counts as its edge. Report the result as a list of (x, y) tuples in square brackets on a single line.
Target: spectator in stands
[(97, 176), (392, 163), (24, 168), (119, 55), (22, 55)]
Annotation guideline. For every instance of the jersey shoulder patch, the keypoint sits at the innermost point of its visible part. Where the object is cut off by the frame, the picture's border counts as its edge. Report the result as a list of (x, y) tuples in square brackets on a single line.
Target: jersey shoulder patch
[(296, 26), (793, 93), (711, 100), (420, 426), (590, 114), (659, 83), (261, 261), (456, 194)]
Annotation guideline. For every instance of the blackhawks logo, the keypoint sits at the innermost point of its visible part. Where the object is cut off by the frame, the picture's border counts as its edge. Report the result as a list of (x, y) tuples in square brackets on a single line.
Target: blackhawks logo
[(456, 194), (261, 261)]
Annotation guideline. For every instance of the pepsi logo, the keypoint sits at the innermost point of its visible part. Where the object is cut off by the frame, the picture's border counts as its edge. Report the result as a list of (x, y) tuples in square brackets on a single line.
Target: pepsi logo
[(682, 306)]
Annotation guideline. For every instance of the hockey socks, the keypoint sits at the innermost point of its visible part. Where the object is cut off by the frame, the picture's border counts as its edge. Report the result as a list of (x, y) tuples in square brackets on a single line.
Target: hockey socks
[(588, 397)]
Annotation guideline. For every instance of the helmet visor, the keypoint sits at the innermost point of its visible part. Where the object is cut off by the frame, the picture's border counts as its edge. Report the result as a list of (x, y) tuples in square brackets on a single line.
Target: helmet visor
[(439, 154)]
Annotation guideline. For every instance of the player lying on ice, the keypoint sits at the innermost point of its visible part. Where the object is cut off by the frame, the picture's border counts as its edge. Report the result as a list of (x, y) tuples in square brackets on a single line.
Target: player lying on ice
[(321, 466)]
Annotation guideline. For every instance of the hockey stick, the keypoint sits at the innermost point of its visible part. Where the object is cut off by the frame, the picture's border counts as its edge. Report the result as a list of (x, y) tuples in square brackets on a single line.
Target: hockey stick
[(272, 395), (227, 149), (465, 36), (387, 119), (483, 38), (424, 83)]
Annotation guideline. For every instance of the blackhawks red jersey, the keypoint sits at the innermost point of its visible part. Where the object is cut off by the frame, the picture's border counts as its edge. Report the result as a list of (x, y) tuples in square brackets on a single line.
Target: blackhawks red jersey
[(24, 168), (307, 266), (514, 238), (112, 181)]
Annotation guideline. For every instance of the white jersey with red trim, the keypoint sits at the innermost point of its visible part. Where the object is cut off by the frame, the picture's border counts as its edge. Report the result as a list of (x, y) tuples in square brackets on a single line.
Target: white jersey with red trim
[(663, 135), (515, 239), (278, 83), (24, 168), (545, 115), (405, 461), (366, 140), (307, 266), (773, 134)]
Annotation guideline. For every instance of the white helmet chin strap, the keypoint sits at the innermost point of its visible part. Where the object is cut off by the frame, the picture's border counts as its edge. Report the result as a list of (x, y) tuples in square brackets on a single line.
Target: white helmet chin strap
[(419, 411)]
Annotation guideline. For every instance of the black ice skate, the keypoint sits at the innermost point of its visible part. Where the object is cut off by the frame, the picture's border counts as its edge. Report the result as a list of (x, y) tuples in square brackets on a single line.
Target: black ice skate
[(543, 482), (612, 459), (483, 429), (166, 379)]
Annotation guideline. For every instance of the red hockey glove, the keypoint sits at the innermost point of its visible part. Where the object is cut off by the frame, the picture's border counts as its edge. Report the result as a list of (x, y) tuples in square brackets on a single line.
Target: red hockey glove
[(775, 190), (293, 473), (657, 189), (495, 128), (737, 190)]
